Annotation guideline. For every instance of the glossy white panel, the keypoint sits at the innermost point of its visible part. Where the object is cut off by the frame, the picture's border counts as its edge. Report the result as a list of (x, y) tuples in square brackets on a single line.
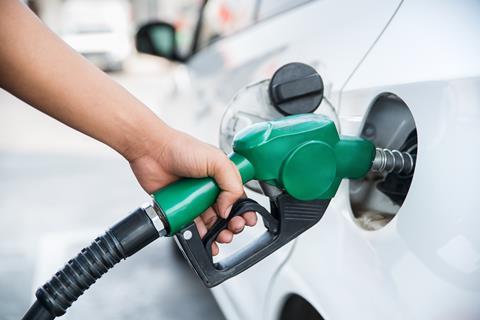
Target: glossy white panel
[(425, 264)]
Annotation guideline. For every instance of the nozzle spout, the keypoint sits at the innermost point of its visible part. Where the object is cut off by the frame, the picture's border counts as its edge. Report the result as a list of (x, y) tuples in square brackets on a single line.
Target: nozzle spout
[(387, 160)]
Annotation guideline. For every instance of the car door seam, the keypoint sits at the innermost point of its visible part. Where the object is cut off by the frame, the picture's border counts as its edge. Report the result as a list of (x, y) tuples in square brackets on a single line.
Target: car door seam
[(365, 56)]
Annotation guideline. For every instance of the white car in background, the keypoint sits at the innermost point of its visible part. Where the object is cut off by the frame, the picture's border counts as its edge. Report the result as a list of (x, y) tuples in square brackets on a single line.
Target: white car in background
[(99, 30), (401, 73)]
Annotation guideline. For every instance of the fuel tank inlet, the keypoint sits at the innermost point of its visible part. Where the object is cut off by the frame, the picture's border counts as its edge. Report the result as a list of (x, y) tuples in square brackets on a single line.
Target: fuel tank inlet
[(390, 126)]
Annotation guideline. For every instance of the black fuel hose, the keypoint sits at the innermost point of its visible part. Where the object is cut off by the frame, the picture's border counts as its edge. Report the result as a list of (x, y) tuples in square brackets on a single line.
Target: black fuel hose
[(123, 240)]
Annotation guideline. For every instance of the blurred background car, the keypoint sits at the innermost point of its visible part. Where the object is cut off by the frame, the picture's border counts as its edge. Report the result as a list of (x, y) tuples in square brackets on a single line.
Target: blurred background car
[(99, 30)]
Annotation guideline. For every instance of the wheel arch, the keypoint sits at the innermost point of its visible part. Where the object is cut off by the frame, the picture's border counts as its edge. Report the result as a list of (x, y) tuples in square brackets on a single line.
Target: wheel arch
[(297, 307)]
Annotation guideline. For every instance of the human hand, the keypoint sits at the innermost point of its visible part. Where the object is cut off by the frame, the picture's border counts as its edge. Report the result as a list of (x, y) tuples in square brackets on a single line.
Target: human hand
[(78, 94), (172, 155)]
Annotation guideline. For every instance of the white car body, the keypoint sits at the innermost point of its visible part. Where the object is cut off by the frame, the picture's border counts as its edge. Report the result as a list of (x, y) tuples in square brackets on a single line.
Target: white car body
[(425, 263)]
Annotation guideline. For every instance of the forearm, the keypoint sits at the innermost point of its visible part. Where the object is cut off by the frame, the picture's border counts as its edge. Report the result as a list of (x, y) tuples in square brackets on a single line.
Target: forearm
[(39, 68)]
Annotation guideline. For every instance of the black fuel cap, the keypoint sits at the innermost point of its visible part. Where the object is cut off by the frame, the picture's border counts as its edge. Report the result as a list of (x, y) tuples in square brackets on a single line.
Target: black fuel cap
[(296, 88)]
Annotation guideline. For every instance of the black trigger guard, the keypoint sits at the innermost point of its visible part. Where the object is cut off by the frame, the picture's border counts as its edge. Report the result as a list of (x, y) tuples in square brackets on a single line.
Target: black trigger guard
[(240, 207), (288, 219)]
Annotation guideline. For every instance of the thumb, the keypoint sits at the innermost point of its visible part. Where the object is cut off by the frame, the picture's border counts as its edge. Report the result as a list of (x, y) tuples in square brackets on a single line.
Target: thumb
[(228, 179)]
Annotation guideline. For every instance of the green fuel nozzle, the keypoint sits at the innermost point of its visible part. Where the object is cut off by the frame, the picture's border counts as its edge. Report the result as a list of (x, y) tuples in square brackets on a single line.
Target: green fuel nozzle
[(301, 154), (302, 157)]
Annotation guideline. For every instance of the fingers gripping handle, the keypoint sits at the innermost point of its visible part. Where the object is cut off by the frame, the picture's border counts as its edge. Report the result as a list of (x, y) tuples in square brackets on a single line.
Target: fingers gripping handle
[(198, 251), (289, 219), (184, 200), (242, 206)]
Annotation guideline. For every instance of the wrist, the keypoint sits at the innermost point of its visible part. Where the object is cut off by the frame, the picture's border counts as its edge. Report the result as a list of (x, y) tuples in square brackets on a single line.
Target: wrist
[(141, 135)]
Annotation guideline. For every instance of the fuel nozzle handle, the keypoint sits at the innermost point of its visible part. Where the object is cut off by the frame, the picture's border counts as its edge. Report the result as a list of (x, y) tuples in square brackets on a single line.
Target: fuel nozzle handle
[(182, 201), (301, 154)]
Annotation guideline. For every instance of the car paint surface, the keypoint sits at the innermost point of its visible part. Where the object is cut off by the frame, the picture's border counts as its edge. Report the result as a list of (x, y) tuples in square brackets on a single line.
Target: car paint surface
[(424, 264)]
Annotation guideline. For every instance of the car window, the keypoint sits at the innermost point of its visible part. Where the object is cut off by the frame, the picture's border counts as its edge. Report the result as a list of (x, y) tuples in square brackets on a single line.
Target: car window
[(224, 17), (269, 8), (183, 15)]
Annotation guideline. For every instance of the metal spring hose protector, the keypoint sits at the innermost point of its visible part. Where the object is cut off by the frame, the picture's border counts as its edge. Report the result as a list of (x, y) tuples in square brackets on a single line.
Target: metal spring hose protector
[(387, 160)]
